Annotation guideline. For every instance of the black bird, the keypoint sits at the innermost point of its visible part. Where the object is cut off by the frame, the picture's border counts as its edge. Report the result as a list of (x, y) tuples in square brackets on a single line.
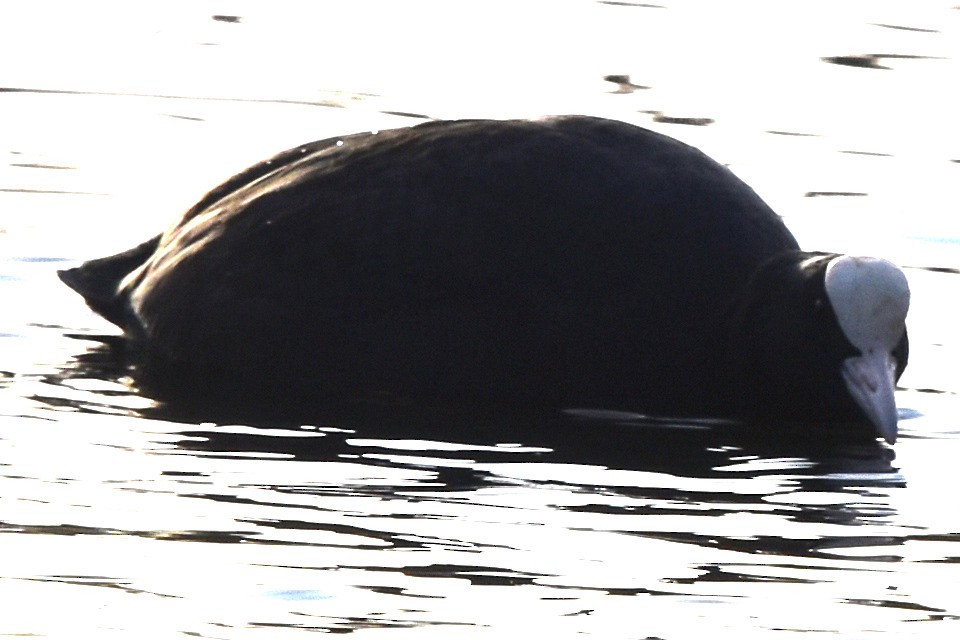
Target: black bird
[(561, 262)]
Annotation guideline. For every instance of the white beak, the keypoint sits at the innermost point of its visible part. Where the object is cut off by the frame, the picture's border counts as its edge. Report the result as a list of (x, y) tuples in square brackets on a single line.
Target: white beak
[(870, 380)]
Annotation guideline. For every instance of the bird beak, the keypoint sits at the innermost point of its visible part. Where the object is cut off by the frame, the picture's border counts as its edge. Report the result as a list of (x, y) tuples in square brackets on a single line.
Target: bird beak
[(870, 381)]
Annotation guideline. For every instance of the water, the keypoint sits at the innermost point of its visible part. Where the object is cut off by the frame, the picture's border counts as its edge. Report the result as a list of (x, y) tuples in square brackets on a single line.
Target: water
[(118, 519)]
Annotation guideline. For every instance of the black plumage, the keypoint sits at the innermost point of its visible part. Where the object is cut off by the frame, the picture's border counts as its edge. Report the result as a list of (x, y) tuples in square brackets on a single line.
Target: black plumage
[(569, 261)]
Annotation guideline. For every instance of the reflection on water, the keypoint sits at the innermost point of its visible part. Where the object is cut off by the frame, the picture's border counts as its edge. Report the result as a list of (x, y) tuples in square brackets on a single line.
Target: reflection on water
[(392, 517), (121, 518)]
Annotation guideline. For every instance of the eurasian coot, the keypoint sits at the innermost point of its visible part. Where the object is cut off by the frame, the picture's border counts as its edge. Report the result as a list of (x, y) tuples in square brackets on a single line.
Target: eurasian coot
[(561, 262)]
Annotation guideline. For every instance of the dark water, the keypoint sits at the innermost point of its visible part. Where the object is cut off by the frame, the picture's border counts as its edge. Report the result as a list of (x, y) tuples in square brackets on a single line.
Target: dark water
[(119, 518)]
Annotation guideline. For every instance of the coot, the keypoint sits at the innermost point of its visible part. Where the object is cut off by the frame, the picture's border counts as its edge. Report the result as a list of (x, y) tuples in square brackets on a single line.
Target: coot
[(561, 262)]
